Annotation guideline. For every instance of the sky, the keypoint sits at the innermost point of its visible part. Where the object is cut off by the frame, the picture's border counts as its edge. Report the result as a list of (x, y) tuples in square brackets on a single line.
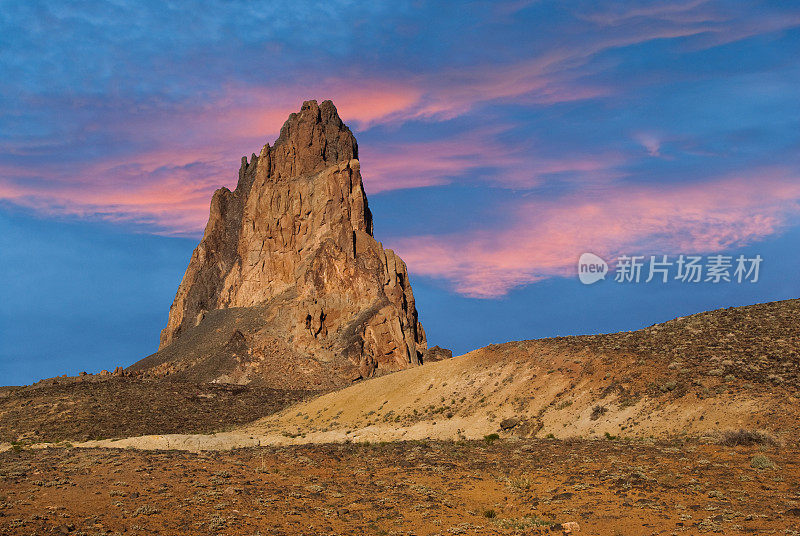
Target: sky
[(498, 142)]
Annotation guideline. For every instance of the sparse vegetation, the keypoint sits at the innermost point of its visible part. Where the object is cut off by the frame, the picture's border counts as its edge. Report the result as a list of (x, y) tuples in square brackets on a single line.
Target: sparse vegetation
[(520, 484), (597, 412), (760, 461), (146, 510), (113, 408), (668, 386), (522, 523), (491, 438), (321, 484), (746, 438)]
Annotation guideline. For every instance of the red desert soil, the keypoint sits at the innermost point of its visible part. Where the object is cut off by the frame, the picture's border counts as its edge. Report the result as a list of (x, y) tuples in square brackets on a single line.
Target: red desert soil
[(403, 488)]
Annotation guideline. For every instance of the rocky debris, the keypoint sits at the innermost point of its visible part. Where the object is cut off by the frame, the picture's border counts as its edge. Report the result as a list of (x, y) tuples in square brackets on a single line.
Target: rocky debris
[(437, 353), (509, 424), (598, 411), (293, 243), (529, 427), (570, 527)]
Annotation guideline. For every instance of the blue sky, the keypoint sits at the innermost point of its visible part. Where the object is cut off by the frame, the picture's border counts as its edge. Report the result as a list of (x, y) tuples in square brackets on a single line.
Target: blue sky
[(498, 140)]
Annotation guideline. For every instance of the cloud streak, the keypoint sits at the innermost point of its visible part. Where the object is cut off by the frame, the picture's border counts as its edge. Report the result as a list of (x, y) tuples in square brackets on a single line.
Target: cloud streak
[(516, 164), (548, 236)]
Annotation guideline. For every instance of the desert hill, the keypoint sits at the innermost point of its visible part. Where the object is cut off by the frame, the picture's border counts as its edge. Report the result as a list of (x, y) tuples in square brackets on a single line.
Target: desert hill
[(689, 426), (96, 407), (694, 376)]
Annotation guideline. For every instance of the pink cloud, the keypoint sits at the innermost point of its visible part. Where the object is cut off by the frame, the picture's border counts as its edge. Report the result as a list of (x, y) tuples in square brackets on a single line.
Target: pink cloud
[(171, 199), (682, 11), (514, 165), (168, 183), (178, 156), (253, 111), (548, 236), (650, 142)]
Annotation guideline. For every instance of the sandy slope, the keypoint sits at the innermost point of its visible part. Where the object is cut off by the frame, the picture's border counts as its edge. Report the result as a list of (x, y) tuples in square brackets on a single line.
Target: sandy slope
[(692, 376), (550, 390)]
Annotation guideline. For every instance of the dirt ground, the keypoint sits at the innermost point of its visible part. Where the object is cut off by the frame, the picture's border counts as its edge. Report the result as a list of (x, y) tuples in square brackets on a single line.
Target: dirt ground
[(608, 487)]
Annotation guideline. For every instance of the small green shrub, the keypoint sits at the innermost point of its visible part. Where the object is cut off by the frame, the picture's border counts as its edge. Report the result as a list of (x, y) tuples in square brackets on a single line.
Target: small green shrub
[(668, 386)]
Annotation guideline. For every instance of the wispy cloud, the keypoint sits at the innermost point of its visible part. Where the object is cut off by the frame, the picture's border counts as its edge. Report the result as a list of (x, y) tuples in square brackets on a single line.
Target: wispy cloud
[(515, 164), (171, 199), (121, 130), (548, 236), (650, 141)]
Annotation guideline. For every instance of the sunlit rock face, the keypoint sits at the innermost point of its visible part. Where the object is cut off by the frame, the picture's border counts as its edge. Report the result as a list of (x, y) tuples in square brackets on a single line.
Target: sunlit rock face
[(312, 299)]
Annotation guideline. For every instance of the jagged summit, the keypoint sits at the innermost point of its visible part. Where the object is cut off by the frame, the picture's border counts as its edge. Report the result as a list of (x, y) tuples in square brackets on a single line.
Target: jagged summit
[(288, 281), (318, 127)]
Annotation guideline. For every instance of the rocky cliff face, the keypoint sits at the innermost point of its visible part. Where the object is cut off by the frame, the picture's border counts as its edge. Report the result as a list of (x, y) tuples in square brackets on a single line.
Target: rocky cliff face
[(289, 254)]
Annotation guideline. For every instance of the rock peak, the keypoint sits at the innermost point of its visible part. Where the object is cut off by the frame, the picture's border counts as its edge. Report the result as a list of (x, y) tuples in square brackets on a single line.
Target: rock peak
[(290, 254), (314, 138)]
